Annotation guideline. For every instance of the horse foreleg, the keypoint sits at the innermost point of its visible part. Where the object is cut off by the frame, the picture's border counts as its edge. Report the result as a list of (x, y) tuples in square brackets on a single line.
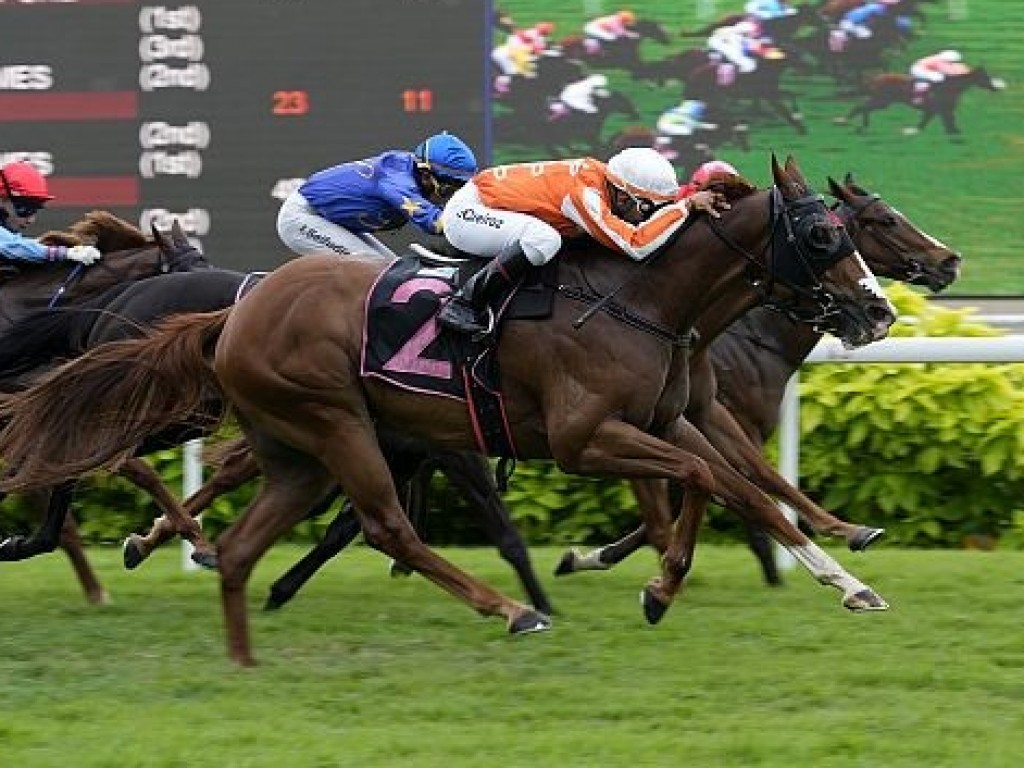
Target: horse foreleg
[(339, 534), (747, 500), (719, 426), (356, 462), (239, 467), (653, 500), (175, 519), (46, 537), (471, 474), (71, 543)]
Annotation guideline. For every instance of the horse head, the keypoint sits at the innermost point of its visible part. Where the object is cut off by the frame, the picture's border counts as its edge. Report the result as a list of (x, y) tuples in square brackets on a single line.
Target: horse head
[(652, 30), (891, 245), (980, 77), (178, 251), (812, 256)]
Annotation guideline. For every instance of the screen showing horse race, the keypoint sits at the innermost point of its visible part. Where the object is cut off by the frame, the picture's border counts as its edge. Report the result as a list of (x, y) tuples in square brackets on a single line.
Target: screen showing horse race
[(921, 100), (211, 112)]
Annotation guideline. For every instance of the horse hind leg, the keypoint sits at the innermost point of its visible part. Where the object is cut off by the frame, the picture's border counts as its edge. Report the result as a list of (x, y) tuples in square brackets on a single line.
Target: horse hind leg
[(355, 460), (71, 543), (46, 537)]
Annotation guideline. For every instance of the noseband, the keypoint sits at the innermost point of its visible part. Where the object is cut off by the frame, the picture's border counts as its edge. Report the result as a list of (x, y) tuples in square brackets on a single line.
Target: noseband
[(794, 257)]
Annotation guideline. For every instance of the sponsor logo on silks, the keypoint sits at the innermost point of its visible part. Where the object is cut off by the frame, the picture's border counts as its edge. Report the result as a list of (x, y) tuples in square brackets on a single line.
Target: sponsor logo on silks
[(319, 237), (468, 214)]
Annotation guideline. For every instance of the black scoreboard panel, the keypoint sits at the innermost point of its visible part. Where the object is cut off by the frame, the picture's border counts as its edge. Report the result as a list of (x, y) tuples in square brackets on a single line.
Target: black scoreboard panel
[(211, 112)]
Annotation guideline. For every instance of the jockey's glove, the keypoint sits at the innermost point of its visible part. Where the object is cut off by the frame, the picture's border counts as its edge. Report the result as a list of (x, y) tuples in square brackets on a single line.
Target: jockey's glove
[(84, 254)]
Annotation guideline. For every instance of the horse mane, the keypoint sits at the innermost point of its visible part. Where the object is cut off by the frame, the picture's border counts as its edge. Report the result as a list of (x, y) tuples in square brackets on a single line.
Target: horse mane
[(732, 186), (102, 229)]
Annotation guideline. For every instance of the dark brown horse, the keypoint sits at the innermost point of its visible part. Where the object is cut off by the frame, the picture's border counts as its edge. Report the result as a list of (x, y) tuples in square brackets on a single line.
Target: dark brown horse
[(940, 100), (755, 358), (129, 256), (287, 358)]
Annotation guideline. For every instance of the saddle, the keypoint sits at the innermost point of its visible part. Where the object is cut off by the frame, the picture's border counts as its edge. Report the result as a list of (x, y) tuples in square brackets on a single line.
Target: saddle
[(404, 346)]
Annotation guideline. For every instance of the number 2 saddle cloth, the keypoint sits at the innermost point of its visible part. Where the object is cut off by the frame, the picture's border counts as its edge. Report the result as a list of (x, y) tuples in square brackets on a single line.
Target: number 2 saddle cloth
[(404, 346)]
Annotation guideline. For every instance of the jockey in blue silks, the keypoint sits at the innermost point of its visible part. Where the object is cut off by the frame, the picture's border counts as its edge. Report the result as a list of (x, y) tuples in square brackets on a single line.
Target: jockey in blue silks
[(337, 209), (23, 193)]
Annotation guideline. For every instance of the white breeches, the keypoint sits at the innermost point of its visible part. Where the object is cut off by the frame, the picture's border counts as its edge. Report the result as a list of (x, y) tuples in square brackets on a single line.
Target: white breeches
[(732, 50), (924, 73), (308, 233), (488, 232)]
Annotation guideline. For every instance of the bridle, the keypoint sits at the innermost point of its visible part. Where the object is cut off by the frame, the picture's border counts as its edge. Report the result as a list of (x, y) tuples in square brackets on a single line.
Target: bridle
[(795, 258), (851, 216)]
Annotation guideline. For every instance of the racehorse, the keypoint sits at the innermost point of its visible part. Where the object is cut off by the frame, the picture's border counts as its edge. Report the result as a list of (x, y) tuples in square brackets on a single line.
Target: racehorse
[(40, 339), (756, 356), (940, 100), (287, 358), (25, 288)]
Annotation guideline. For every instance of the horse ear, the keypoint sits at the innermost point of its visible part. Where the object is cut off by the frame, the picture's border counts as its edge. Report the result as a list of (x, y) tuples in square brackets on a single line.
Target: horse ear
[(837, 190), (848, 178), (159, 238), (777, 173), (178, 235), (794, 172)]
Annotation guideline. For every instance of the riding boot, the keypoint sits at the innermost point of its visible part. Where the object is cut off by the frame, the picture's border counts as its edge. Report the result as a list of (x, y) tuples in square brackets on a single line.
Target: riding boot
[(468, 310)]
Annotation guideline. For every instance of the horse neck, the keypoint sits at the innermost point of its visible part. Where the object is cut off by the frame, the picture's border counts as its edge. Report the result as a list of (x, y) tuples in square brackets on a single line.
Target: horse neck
[(767, 332)]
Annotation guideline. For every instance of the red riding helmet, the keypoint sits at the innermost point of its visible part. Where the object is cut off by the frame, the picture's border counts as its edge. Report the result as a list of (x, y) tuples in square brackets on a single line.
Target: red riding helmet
[(706, 170), (21, 179)]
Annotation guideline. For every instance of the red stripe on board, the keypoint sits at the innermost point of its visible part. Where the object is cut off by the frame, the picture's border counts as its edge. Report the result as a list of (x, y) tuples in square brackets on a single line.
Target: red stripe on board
[(87, 105), (71, 191)]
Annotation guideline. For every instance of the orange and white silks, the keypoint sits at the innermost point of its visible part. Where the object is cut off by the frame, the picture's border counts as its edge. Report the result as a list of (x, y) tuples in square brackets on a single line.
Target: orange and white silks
[(572, 197)]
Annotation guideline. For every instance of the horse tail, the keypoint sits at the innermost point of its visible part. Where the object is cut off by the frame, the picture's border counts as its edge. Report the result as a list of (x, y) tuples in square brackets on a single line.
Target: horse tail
[(96, 410)]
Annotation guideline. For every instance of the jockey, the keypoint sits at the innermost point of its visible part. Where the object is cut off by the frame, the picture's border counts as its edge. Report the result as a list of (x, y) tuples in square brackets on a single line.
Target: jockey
[(765, 10), (738, 44), (611, 28), (23, 193), (518, 54), (857, 21), (933, 69), (336, 209), (517, 215), (938, 66), (704, 173), (685, 119), (581, 94)]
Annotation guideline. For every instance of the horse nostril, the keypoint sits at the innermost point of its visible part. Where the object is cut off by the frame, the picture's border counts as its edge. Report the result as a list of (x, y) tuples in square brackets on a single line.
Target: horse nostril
[(881, 314)]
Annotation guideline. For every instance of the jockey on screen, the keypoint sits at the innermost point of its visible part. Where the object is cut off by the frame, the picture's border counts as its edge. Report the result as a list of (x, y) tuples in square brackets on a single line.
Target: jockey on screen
[(611, 28), (580, 95), (517, 215), (769, 9), (518, 54), (336, 209), (739, 44), (857, 22), (936, 68), (23, 193)]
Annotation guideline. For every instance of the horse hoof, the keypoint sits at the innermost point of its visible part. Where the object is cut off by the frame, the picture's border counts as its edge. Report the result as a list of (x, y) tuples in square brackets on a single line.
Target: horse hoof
[(529, 622), (207, 560), (840, 120), (865, 600), (864, 538), (567, 564), (910, 131), (654, 608), (399, 570), (133, 552)]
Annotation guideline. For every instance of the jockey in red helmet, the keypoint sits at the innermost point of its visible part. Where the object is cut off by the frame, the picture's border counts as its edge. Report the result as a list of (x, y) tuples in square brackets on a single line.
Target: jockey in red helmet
[(23, 193)]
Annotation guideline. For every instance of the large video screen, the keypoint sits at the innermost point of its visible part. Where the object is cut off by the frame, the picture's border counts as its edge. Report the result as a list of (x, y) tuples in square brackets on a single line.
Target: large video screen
[(211, 112), (699, 79)]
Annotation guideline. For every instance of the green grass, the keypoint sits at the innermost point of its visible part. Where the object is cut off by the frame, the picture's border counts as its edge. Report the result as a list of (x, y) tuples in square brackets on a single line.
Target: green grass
[(365, 671), (966, 192)]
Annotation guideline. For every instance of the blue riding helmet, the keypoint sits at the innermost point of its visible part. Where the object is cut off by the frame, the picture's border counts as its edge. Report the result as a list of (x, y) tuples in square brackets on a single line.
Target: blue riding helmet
[(447, 157)]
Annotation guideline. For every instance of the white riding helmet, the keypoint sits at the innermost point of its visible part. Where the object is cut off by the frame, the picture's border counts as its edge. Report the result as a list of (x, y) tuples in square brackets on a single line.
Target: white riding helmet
[(644, 172), (950, 56)]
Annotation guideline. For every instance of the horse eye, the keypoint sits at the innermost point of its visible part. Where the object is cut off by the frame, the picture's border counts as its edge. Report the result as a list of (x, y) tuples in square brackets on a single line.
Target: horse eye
[(890, 221)]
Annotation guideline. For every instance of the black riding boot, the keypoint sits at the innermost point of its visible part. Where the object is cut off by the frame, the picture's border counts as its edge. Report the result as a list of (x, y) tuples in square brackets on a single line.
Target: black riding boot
[(468, 311)]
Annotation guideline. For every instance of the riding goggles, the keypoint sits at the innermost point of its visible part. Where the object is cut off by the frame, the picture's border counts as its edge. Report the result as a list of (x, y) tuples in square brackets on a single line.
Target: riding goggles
[(24, 207)]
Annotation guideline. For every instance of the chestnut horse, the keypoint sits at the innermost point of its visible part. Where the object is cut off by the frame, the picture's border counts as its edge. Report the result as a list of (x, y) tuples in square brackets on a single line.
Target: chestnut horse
[(756, 356), (287, 358), (940, 100)]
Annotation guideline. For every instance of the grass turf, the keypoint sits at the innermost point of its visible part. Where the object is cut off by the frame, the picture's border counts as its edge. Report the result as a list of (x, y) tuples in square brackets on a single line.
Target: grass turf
[(365, 671)]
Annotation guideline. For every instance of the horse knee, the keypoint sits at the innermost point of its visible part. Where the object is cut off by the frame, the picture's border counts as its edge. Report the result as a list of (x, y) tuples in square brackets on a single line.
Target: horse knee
[(388, 533)]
